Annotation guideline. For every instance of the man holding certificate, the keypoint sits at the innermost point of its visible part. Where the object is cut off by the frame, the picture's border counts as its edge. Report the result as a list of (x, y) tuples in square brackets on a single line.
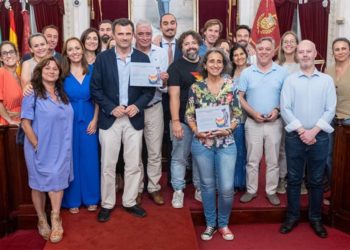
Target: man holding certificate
[(212, 113), (121, 118), (154, 123)]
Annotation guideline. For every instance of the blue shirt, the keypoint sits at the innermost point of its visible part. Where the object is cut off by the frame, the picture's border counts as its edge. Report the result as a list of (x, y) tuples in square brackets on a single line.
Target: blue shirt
[(202, 49), (262, 89), (308, 101), (124, 78)]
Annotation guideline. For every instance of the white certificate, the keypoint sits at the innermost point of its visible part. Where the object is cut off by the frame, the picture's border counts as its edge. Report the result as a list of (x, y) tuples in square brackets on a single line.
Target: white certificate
[(145, 75), (213, 118)]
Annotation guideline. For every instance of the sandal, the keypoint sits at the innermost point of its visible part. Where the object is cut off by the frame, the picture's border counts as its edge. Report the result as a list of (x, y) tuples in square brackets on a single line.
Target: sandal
[(92, 208), (74, 210), (43, 227), (57, 230)]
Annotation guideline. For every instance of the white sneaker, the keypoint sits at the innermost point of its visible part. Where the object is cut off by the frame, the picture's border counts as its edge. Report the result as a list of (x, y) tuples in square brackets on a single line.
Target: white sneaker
[(178, 199), (198, 195)]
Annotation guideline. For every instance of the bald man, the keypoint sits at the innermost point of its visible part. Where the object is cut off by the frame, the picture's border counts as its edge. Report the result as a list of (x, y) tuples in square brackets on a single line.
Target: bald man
[(308, 101)]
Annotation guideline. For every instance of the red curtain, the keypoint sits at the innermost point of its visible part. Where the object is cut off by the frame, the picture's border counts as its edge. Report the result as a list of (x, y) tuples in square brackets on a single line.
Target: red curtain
[(4, 21), (97, 10), (285, 12), (208, 9), (49, 12), (315, 27), (234, 10)]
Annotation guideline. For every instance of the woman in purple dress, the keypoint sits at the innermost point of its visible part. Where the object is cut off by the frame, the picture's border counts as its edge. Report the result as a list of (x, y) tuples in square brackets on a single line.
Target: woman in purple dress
[(47, 120)]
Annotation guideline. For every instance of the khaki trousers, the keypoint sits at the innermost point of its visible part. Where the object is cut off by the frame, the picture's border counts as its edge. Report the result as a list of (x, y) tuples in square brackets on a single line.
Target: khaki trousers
[(262, 137), (120, 132), (153, 133)]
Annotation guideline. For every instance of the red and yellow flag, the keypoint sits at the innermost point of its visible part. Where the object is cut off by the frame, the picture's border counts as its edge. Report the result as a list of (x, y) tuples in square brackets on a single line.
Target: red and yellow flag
[(12, 33), (266, 22)]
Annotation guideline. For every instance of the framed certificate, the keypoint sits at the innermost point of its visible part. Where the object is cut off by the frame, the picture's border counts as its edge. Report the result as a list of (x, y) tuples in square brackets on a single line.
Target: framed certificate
[(145, 75), (213, 118)]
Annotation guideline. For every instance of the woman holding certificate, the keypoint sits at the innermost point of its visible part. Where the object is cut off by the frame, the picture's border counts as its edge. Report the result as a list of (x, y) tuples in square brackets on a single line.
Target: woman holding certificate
[(213, 113)]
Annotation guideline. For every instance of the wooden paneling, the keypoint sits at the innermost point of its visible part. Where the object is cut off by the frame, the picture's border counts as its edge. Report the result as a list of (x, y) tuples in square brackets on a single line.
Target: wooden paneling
[(4, 206), (340, 209)]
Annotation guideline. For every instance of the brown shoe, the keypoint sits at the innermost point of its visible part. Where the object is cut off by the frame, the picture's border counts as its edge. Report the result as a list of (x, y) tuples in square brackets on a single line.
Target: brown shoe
[(157, 197), (139, 199)]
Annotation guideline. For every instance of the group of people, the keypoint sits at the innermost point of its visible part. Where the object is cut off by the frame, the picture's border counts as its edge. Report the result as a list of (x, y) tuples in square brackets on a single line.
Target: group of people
[(79, 110)]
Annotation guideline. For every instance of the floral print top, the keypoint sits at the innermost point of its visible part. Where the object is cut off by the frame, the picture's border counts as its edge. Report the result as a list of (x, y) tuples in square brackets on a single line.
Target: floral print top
[(200, 97)]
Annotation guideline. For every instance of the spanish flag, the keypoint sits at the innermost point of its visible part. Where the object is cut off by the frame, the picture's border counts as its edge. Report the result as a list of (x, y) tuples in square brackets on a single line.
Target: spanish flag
[(266, 22), (12, 33)]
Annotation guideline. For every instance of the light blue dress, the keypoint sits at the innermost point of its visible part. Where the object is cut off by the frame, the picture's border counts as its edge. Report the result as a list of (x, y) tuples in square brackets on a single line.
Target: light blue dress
[(51, 167), (85, 189)]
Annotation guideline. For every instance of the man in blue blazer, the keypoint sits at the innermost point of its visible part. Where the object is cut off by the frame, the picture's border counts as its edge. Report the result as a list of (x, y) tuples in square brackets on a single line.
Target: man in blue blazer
[(121, 118)]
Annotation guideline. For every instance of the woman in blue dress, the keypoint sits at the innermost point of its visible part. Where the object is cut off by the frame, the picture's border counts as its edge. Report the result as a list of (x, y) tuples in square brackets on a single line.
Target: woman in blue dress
[(239, 59), (47, 119), (85, 189)]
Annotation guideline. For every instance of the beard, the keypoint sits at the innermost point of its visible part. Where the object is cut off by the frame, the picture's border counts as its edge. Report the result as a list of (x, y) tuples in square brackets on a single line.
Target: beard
[(191, 54), (105, 38)]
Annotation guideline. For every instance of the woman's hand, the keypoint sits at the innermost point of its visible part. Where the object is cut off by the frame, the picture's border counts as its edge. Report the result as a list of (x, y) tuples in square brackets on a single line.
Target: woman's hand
[(91, 129), (219, 133), (202, 135), (27, 90), (16, 123)]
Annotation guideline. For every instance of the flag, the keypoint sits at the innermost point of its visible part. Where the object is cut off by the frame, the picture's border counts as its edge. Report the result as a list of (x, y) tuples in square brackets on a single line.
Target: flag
[(266, 22), (26, 32), (12, 33)]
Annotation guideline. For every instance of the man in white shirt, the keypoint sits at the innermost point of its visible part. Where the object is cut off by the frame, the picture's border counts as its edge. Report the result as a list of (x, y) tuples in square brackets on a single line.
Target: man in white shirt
[(154, 124)]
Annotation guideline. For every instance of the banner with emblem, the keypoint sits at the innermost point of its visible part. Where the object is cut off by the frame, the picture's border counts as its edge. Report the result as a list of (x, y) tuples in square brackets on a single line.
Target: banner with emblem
[(266, 22)]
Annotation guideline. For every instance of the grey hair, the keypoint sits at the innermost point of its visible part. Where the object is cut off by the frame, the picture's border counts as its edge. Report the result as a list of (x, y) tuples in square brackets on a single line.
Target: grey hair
[(143, 22)]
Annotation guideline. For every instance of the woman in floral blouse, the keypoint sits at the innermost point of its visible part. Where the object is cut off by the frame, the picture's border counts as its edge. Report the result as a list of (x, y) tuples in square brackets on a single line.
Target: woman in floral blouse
[(215, 151)]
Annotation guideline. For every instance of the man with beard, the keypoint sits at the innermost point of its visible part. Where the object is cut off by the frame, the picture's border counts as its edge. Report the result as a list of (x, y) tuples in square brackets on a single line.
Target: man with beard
[(211, 33), (51, 34), (181, 76), (154, 124), (105, 32), (242, 37), (308, 101), (168, 26)]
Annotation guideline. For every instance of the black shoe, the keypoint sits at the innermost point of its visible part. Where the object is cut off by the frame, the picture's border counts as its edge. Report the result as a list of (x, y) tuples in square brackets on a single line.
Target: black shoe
[(288, 226), (104, 215), (319, 229), (136, 210)]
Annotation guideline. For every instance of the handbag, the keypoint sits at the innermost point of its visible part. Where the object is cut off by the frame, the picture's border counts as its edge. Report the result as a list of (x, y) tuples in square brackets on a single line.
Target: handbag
[(20, 132)]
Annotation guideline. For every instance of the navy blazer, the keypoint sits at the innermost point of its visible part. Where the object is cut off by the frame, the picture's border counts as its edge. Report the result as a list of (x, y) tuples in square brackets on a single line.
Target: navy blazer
[(178, 52), (105, 89)]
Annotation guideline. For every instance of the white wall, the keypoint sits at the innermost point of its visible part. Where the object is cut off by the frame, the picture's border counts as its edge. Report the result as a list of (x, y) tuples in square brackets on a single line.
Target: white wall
[(76, 18)]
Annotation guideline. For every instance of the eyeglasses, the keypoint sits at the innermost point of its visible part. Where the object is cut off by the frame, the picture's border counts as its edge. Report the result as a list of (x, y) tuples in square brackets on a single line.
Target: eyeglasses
[(8, 53), (291, 42)]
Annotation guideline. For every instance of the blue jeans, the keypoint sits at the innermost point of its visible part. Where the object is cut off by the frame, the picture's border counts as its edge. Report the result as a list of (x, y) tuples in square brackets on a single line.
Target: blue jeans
[(241, 162), (179, 160), (315, 157), (216, 171)]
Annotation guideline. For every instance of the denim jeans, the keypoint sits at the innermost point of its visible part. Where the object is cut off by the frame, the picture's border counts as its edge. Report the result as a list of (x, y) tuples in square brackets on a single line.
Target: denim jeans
[(216, 171), (179, 160), (315, 157)]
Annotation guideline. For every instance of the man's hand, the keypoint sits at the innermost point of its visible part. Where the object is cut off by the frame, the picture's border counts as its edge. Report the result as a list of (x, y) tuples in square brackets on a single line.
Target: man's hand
[(272, 116), (131, 110), (177, 129), (164, 76), (308, 137), (118, 111), (258, 117)]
